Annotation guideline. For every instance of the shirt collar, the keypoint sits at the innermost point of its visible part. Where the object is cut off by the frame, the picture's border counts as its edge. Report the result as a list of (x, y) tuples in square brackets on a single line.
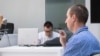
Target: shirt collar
[(84, 28)]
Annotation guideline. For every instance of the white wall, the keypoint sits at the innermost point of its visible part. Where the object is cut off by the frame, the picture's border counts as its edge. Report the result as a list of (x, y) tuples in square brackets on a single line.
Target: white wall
[(24, 13), (94, 28)]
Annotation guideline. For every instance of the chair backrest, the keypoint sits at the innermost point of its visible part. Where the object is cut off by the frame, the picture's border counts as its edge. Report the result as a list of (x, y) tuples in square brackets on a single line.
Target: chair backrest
[(9, 27), (96, 55)]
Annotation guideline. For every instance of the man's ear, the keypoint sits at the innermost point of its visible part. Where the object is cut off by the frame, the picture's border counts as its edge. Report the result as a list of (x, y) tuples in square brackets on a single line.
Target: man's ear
[(74, 18)]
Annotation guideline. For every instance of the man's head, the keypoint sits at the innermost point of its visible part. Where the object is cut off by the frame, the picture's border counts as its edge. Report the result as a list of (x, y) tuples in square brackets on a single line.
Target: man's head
[(77, 15), (48, 28)]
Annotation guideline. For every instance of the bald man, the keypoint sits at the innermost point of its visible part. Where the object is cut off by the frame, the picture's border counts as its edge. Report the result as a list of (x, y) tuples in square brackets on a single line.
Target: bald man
[(83, 42)]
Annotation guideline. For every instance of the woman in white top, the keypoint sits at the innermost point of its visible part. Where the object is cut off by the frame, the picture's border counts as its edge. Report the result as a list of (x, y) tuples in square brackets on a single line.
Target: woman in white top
[(48, 33)]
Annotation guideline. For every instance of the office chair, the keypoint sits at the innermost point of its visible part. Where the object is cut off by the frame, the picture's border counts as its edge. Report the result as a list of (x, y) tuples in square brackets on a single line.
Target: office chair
[(9, 28), (95, 54)]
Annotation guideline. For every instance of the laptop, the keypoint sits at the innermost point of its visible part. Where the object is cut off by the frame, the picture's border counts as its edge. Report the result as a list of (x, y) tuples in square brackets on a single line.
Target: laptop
[(27, 36)]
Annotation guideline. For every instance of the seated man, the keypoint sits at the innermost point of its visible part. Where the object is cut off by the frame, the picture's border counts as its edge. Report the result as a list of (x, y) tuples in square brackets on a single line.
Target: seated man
[(48, 33), (82, 42)]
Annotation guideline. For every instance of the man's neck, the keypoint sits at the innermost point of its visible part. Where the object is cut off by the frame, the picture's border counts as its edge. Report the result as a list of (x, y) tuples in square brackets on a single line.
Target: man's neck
[(77, 26)]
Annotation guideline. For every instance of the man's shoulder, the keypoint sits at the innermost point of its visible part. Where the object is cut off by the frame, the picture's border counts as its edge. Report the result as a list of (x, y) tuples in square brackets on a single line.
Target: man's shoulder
[(55, 32), (84, 36), (41, 32), (79, 37)]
